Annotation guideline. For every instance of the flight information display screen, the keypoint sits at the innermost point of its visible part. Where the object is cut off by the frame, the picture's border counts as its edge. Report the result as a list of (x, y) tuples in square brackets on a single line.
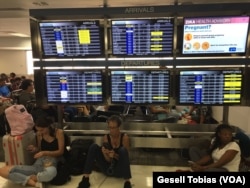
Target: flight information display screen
[(71, 39), (74, 87), (210, 87), (140, 86), (148, 37)]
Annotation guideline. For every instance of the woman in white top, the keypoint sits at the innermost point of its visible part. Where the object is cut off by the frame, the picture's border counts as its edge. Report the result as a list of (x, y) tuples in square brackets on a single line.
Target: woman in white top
[(224, 155)]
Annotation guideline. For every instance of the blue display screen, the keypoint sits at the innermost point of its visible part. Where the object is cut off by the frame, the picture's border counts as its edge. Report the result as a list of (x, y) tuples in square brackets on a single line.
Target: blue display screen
[(140, 86)]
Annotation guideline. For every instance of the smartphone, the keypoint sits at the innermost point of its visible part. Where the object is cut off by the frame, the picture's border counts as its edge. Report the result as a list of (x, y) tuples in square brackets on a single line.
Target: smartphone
[(107, 146)]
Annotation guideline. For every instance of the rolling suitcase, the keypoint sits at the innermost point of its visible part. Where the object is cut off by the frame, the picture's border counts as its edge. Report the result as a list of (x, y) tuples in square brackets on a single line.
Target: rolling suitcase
[(15, 148)]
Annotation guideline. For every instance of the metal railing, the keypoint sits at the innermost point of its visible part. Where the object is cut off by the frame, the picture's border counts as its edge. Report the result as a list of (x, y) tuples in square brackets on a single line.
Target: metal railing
[(146, 135)]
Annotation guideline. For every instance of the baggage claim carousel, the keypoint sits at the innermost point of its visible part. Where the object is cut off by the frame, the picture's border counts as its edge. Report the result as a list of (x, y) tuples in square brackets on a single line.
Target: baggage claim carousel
[(151, 143)]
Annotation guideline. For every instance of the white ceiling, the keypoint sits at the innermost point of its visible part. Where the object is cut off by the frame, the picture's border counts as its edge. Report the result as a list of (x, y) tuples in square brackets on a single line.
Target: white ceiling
[(14, 14)]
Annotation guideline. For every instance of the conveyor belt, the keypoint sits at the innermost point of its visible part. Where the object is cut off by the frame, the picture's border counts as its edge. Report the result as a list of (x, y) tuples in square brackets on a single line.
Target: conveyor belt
[(147, 135)]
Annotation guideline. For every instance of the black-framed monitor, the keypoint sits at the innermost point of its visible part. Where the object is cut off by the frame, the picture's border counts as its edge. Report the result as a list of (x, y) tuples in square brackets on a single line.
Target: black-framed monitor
[(221, 35), (210, 87), (140, 86), (71, 39), (75, 86), (142, 37)]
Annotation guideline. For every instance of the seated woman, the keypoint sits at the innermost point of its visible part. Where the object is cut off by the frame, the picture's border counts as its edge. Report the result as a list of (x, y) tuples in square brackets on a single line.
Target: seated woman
[(224, 154), (49, 150), (112, 158)]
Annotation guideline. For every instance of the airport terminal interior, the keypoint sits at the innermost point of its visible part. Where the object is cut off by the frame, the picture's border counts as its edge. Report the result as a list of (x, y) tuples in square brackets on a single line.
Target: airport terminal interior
[(111, 63), (143, 163)]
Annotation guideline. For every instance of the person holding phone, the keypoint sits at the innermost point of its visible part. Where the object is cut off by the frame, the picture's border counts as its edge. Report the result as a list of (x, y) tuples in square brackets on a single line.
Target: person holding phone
[(112, 157), (48, 151)]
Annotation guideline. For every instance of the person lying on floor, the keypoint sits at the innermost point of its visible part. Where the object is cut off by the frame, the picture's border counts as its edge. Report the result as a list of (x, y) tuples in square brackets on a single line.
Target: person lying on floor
[(112, 158)]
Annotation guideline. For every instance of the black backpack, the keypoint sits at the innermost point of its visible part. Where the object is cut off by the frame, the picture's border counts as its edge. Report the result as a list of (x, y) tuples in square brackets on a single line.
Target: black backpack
[(78, 155), (63, 174), (244, 143)]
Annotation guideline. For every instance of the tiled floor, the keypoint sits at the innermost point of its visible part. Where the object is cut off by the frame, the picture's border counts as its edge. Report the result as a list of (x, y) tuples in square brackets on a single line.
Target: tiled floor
[(143, 163), (141, 178)]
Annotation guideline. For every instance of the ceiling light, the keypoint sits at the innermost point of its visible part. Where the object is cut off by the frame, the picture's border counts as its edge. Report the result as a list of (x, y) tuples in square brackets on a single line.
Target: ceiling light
[(11, 33), (18, 34)]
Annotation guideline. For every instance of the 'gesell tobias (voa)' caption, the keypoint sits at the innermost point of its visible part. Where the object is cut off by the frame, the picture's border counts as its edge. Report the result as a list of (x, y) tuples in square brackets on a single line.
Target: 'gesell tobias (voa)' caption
[(216, 179)]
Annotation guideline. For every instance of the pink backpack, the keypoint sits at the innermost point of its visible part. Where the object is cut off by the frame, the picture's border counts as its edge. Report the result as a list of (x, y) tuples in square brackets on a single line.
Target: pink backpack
[(19, 119)]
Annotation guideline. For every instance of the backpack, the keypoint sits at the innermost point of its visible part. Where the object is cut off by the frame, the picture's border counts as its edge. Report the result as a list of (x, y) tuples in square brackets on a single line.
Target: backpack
[(63, 174), (19, 120), (244, 143), (78, 155)]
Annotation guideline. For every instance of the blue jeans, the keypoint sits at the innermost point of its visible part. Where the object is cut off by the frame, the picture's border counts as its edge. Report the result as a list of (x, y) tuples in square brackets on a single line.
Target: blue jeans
[(121, 167), (20, 174)]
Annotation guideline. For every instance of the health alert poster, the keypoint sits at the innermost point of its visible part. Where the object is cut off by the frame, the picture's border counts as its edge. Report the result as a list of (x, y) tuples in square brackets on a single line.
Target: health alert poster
[(215, 35)]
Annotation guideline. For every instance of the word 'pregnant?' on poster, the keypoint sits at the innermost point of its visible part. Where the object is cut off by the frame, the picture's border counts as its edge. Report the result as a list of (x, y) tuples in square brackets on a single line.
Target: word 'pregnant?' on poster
[(215, 35)]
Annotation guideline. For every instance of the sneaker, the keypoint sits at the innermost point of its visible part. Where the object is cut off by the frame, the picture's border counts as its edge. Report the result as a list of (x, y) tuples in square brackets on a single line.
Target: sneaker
[(84, 183), (127, 184)]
